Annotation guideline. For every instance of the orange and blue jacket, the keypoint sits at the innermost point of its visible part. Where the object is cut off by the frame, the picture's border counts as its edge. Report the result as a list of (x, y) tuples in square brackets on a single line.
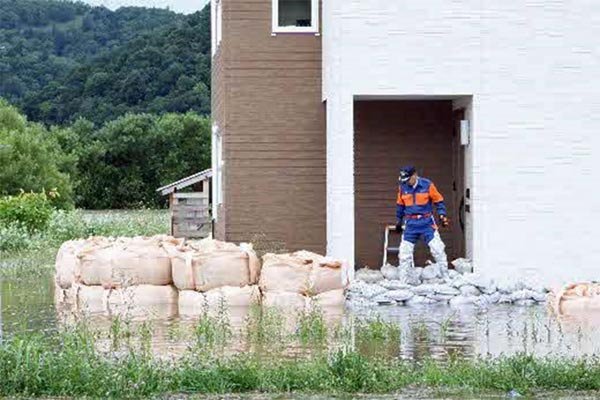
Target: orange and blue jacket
[(419, 199)]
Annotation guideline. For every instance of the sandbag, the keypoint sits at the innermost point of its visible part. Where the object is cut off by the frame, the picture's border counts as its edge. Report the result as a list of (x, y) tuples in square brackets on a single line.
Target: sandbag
[(285, 300), (144, 300), (210, 264), (575, 298), (331, 298), (124, 262), (67, 263), (285, 273)]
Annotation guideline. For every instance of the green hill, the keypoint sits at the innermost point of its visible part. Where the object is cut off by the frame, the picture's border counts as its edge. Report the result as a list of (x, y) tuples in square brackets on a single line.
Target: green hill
[(61, 60)]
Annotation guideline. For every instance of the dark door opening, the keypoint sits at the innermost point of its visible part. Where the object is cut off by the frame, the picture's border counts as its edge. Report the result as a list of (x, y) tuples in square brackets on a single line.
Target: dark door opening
[(387, 135)]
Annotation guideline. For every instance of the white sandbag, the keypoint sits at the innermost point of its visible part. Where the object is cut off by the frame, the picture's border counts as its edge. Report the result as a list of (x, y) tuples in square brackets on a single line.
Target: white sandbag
[(144, 300), (210, 264), (288, 273), (285, 300), (67, 263), (390, 272), (369, 275), (124, 262), (462, 265), (232, 296), (331, 298)]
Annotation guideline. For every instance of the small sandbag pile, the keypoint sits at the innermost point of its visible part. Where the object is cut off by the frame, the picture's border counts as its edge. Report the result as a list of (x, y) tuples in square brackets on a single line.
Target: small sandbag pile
[(296, 280), (118, 275), (210, 272), (577, 298)]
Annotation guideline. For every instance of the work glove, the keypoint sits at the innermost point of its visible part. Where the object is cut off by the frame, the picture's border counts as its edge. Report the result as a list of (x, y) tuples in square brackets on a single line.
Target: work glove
[(444, 221), (399, 227)]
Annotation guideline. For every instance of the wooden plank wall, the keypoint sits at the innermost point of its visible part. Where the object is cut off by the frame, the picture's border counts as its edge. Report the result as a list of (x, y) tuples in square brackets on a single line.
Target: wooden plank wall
[(268, 103), (190, 215)]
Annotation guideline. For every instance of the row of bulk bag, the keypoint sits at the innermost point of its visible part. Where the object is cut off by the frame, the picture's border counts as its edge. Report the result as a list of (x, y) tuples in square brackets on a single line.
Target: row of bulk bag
[(209, 264), (125, 262), (302, 272), (301, 279), (132, 301)]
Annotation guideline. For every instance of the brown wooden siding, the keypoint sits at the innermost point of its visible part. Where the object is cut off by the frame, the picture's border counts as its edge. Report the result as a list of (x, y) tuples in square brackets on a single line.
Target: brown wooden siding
[(389, 134), (267, 97)]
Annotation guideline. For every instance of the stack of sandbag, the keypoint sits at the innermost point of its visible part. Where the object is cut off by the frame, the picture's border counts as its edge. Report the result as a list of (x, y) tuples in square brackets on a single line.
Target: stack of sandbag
[(118, 275), (576, 298), (210, 273), (300, 279)]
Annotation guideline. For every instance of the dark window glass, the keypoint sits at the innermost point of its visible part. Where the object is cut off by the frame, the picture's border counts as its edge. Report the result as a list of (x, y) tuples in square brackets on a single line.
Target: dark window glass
[(295, 13)]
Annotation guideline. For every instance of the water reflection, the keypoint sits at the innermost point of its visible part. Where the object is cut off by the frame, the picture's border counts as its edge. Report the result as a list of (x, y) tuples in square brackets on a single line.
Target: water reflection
[(428, 331)]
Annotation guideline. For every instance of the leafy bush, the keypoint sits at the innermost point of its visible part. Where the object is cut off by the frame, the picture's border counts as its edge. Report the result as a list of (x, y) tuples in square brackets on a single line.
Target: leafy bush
[(30, 211), (14, 237), (31, 158)]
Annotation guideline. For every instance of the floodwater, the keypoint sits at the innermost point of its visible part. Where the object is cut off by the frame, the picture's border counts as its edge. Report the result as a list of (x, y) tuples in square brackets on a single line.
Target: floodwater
[(428, 331)]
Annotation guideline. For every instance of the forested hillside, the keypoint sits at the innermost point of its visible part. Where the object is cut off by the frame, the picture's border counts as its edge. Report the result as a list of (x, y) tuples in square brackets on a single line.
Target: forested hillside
[(61, 60)]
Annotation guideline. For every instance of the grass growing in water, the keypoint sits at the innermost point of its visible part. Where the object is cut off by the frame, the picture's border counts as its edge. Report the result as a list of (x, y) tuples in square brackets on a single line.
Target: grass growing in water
[(312, 328), (70, 365)]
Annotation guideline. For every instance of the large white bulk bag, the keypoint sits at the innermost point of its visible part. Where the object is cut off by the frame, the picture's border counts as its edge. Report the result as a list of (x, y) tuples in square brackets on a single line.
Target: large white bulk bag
[(192, 303), (285, 273), (144, 300), (210, 264), (124, 262), (233, 296), (576, 299), (331, 298), (67, 262), (285, 300), (91, 299), (327, 275)]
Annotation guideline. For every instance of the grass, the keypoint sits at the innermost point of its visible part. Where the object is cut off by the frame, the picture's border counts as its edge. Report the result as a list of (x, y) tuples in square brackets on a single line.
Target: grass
[(34, 257), (70, 365)]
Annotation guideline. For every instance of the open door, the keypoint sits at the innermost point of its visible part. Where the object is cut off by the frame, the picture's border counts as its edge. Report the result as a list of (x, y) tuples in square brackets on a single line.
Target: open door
[(458, 213)]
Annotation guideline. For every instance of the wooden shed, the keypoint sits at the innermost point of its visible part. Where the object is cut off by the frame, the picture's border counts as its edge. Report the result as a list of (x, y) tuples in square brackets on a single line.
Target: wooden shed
[(190, 205)]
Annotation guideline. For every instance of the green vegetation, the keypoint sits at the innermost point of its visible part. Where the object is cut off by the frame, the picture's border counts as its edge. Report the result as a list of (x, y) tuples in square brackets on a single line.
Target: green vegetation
[(118, 165), (69, 363), (61, 60), (31, 157), (23, 253)]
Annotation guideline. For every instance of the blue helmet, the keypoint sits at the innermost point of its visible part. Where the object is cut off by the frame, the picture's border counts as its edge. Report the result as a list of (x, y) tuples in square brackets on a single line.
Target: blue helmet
[(406, 173)]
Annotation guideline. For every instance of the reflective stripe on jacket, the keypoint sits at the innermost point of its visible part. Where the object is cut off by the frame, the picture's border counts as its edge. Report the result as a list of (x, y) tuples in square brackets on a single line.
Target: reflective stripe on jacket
[(419, 200)]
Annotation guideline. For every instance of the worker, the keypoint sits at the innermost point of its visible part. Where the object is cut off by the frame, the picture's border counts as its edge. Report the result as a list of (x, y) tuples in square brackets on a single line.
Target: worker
[(414, 213)]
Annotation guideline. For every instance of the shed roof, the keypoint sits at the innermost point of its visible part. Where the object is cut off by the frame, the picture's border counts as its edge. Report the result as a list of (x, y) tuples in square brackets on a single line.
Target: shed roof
[(185, 182)]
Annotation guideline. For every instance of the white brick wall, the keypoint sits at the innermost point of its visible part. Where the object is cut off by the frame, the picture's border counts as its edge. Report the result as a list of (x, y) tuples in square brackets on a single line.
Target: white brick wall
[(533, 69)]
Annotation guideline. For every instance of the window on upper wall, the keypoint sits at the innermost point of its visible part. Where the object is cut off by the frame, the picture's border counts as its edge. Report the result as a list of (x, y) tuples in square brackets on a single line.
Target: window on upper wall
[(295, 16)]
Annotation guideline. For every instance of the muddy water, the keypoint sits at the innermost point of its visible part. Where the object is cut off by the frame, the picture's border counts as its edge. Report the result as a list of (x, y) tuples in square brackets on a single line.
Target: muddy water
[(429, 331)]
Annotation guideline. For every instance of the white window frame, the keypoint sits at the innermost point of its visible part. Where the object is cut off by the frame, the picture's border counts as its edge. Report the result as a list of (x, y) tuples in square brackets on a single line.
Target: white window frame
[(217, 167), (216, 24), (313, 28)]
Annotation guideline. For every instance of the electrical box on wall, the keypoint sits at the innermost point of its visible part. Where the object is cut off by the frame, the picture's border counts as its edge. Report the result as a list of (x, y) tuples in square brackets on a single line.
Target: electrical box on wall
[(465, 132)]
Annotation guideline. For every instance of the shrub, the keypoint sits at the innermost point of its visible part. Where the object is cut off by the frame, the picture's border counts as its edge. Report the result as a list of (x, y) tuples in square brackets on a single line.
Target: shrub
[(14, 237), (31, 211)]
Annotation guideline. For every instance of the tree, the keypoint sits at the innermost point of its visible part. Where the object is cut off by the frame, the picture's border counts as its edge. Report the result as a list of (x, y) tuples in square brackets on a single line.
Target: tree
[(30, 157)]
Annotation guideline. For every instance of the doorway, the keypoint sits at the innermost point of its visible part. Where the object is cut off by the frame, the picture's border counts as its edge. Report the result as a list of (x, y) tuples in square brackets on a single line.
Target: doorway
[(387, 135)]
